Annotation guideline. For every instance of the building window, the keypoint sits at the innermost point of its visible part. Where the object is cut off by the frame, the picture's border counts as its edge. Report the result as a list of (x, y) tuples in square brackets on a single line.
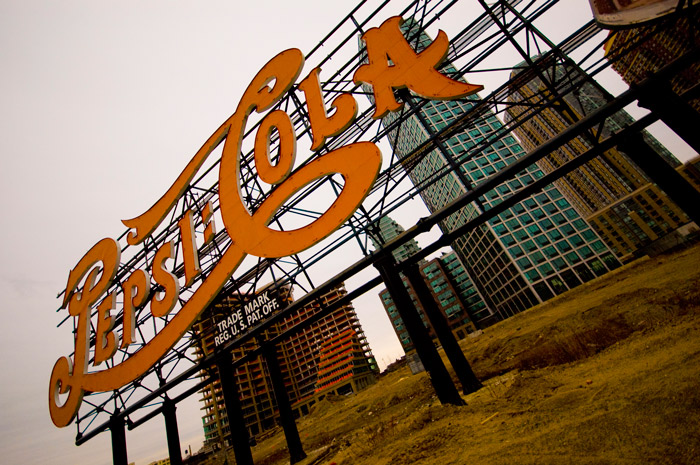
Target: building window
[(532, 275), (557, 284), (543, 290)]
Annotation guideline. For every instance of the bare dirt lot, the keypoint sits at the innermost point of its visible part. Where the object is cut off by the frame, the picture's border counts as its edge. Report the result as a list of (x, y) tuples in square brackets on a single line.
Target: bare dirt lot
[(606, 374)]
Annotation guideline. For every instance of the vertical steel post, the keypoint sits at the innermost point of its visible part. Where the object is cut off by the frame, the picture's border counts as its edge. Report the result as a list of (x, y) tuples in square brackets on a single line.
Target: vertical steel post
[(296, 450), (470, 383), (234, 412), (661, 173), (429, 356), (171, 432), (116, 427)]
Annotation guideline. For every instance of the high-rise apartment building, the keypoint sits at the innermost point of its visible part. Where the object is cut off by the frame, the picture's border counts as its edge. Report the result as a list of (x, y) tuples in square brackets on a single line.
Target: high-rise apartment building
[(612, 194), (388, 229), (637, 52), (533, 251), (303, 358), (453, 292)]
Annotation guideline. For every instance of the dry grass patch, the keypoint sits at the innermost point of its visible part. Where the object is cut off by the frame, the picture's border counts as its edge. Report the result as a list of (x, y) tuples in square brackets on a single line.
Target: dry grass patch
[(606, 374)]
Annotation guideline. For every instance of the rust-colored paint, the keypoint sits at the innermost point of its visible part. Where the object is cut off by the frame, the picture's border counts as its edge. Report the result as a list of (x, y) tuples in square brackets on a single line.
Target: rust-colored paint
[(408, 69), (68, 375), (164, 302), (190, 255), (136, 289), (269, 173)]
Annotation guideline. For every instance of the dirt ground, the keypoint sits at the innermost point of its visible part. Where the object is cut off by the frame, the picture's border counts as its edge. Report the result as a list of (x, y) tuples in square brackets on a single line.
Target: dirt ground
[(606, 374)]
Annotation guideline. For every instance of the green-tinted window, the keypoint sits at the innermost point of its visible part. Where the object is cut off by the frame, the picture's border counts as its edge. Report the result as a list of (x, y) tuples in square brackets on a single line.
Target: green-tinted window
[(521, 235), (585, 251), (516, 251), (598, 246), (580, 224), (563, 245), (551, 209), (534, 229), (555, 235), (559, 218), (513, 224), (532, 275), (559, 263), (588, 235), (515, 184), (524, 263), (557, 284), (545, 269), (570, 213), (567, 229), (546, 224), (611, 261), (538, 213), (572, 258), (551, 251), (542, 199), (500, 229), (529, 246), (597, 267)]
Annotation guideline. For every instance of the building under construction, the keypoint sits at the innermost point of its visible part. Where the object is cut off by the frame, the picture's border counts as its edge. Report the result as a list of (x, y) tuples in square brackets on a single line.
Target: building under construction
[(330, 356)]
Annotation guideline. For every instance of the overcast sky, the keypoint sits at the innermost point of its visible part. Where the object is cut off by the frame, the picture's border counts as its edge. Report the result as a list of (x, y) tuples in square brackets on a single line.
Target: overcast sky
[(103, 104)]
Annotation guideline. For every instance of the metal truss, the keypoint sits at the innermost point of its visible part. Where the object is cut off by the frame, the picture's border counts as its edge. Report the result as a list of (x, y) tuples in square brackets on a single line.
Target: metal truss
[(500, 27)]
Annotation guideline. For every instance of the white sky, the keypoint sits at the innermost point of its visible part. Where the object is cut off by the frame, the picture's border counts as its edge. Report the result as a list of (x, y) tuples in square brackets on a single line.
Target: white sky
[(102, 105)]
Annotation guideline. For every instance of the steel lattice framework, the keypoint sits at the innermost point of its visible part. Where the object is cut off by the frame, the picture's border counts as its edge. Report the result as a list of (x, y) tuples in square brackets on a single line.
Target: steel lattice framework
[(486, 45)]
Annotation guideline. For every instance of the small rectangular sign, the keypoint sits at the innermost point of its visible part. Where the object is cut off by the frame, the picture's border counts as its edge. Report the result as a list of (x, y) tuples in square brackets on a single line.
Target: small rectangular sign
[(245, 316)]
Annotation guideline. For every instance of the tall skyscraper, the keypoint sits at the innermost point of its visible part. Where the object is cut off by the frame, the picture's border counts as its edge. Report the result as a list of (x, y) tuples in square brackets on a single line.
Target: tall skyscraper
[(528, 254), (454, 293), (331, 356), (610, 192), (388, 229)]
